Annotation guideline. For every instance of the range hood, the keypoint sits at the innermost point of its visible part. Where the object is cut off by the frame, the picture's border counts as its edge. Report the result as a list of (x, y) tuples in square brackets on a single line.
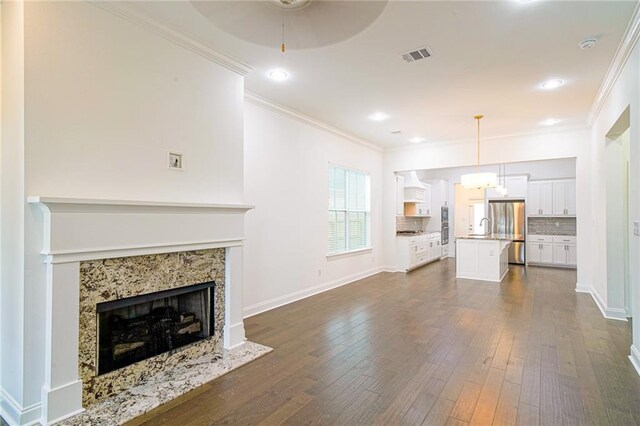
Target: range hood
[(412, 181)]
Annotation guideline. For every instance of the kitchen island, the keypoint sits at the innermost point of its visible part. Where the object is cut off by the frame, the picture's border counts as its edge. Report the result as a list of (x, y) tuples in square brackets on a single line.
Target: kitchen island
[(482, 257)]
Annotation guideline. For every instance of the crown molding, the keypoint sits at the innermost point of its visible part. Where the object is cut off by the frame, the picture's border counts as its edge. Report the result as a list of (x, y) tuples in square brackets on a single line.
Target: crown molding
[(193, 45), (452, 142), (272, 106), (625, 48)]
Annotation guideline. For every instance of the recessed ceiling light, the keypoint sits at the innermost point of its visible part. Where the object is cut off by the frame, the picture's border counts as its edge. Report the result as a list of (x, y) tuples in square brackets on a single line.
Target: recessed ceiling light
[(278, 75), (588, 43), (417, 139), (550, 122), (552, 84), (378, 116)]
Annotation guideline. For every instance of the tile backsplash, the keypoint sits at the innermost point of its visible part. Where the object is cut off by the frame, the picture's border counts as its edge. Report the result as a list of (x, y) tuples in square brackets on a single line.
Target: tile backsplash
[(409, 223), (547, 226)]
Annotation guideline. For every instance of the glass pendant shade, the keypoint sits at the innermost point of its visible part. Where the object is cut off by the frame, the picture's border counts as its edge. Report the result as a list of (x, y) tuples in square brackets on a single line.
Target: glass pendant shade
[(479, 180)]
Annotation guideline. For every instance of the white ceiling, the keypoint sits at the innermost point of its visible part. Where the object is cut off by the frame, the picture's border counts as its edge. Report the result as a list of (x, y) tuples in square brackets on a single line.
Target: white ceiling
[(489, 58)]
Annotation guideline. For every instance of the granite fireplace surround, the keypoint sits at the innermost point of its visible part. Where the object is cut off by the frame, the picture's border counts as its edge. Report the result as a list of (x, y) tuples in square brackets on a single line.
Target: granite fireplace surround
[(113, 279), (97, 250)]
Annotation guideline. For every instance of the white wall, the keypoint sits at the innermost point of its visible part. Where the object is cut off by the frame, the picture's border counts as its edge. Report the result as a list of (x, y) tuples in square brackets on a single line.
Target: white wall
[(285, 166), (624, 93), (104, 102), (566, 144), (12, 301)]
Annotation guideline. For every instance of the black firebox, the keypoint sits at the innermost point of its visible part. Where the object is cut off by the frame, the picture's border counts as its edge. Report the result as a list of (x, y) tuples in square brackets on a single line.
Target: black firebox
[(136, 328)]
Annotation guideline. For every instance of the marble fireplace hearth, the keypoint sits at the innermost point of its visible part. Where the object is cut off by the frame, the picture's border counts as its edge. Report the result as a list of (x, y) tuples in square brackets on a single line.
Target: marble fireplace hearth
[(102, 250)]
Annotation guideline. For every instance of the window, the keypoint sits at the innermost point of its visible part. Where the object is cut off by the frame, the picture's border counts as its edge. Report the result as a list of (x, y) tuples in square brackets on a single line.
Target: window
[(349, 210)]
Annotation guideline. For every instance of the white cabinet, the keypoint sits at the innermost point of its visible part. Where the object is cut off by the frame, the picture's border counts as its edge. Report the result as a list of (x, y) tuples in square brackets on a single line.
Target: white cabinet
[(516, 188), (565, 251), (564, 197), (540, 249), (418, 251), (540, 253), (550, 250), (540, 198), (552, 198), (417, 210), (399, 195), (417, 201)]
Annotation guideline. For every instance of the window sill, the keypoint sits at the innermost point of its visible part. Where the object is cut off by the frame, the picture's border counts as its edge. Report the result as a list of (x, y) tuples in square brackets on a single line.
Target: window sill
[(349, 253)]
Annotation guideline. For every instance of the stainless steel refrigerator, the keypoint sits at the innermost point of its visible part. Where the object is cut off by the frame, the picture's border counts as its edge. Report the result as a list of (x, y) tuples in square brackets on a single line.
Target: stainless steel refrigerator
[(508, 218)]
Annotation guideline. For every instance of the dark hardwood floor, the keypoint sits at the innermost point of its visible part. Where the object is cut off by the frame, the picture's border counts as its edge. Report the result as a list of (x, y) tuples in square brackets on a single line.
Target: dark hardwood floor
[(425, 348)]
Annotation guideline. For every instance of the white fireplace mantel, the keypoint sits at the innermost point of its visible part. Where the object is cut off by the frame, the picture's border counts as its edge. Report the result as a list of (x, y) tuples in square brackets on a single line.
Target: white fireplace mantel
[(74, 230)]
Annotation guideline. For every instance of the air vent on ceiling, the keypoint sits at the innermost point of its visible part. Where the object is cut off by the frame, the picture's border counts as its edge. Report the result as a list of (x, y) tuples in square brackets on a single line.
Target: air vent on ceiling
[(418, 54)]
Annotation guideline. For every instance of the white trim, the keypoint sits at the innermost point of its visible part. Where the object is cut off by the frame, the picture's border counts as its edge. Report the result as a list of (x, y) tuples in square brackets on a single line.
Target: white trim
[(608, 313), (61, 402), (111, 252), (421, 146), (625, 48), (260, 101), (582, 289), (14, 414), (634, 357), (188, 42), (334, 256), (276, 302), (89, 205), (234, 336)]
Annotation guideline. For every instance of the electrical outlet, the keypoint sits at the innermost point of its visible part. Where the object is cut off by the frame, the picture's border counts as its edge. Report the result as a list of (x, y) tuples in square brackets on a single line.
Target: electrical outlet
[(636, 228), (557, 224)]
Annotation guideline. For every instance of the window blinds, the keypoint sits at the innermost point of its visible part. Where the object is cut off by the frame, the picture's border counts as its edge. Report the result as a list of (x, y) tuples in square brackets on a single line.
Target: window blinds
[(349, 210)]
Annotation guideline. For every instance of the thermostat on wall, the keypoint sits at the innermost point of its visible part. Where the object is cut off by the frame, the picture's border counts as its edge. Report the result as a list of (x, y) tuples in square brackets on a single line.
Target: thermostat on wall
[(175, 161)]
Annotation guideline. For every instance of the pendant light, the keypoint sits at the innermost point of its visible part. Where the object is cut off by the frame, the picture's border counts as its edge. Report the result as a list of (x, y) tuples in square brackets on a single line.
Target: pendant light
[(479, 180)]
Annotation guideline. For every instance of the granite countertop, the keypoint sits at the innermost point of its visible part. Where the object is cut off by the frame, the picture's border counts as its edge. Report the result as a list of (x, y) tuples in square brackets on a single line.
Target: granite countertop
[(499, 237)]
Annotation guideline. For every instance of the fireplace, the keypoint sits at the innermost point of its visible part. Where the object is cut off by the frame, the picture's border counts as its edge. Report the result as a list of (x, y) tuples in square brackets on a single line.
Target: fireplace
[(98, 251), (133, 329)]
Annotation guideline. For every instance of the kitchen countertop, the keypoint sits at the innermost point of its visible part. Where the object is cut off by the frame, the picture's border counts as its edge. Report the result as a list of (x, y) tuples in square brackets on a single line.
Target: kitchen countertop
[(428, 234), (500, 237)]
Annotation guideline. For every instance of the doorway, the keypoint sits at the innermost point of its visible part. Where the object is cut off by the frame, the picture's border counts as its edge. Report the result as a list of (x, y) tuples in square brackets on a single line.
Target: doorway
[(617, 161), (468, 209)]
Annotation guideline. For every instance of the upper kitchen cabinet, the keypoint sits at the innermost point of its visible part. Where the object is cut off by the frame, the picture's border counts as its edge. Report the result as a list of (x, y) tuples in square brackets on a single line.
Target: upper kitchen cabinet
[(399, 195), (516, 188), (417, 197), (564, 197), (540, 198), (417, 201)]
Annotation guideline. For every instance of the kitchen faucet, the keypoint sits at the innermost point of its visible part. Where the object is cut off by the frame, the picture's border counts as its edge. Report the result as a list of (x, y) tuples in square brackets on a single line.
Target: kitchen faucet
[(487, 230)]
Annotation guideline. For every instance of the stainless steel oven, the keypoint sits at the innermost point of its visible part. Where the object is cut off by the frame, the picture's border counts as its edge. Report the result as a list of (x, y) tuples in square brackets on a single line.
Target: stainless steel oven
[(444, 215), (444, 233)]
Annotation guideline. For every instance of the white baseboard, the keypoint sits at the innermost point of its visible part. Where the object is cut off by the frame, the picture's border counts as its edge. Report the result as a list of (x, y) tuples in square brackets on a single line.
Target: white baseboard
[(634, 357), (234, 335), (583, 288), (276, 302), (61, 402), (16, 415), (609, 313)]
